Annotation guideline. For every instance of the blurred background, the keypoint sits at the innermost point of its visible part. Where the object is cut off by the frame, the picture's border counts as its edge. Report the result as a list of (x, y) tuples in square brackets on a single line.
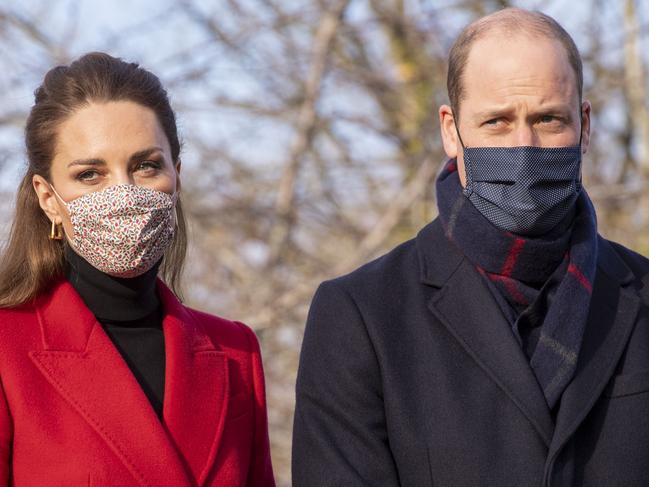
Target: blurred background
[(311, 140)]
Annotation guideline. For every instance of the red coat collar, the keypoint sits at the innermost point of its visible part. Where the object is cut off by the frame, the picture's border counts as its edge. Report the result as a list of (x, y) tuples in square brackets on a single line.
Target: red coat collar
[(80, 361)]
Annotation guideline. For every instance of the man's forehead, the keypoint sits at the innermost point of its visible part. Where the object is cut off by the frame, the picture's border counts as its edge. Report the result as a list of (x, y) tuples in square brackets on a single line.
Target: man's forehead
[(502, 65), (503, 37)]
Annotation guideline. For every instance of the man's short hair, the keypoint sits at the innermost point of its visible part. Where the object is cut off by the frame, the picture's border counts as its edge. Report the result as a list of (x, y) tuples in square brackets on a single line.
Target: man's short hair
[(509, 20)]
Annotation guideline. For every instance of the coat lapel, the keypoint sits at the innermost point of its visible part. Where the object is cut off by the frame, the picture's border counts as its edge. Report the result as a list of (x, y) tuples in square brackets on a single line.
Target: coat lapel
[(613, 312), (467, 309), (82, 364), (196, 387)]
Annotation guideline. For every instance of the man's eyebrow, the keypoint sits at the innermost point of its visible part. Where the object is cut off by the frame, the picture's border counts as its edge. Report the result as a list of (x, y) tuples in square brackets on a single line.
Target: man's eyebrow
[(543, 110), (552, 109), (137, 156), (493, 113)]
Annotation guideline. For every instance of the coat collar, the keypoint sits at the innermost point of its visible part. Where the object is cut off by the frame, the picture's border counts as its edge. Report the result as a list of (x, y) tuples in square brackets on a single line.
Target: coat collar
[(465, 306), (438, 257), (82, 364)]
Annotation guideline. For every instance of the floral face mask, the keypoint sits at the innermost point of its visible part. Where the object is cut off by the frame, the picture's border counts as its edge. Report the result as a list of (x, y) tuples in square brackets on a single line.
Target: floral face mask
[(122, 230)]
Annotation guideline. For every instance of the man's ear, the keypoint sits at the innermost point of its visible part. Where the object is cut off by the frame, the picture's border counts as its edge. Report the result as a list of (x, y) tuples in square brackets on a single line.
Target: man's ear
[(47, 199), (448, 131), (585, 126)]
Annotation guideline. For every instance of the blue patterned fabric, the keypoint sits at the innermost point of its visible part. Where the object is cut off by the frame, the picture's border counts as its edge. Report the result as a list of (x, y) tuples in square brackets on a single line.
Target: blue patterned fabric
[(548, 277), (525, 190)]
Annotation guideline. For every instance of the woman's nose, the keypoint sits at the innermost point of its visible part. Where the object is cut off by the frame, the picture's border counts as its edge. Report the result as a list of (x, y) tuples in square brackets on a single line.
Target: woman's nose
[(123, 177)]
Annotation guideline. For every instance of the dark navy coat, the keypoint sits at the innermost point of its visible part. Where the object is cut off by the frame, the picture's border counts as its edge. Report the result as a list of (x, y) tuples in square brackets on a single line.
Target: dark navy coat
[(411, 376)]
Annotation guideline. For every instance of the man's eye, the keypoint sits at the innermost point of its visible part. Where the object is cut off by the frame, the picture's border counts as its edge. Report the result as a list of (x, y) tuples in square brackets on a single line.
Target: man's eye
[(548, 118), (493, 122)]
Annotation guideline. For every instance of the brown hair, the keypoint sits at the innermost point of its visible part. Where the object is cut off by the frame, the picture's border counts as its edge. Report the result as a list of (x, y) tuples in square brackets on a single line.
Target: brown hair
[(509, 20), (31, 261)]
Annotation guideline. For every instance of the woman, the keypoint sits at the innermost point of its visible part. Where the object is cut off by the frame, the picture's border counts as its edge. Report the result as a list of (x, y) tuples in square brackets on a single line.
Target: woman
[(107, 379)]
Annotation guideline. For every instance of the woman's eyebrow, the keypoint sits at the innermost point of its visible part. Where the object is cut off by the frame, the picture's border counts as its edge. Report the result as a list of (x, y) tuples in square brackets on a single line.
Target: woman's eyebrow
[(139, 155), (87, 162)]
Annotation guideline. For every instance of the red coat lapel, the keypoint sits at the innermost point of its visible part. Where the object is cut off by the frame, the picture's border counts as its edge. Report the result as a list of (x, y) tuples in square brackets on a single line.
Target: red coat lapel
[(82, 364), (196, 387)]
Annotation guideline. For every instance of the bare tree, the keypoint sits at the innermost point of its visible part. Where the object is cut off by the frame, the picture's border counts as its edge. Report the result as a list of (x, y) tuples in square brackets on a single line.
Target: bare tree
[(311, 141)]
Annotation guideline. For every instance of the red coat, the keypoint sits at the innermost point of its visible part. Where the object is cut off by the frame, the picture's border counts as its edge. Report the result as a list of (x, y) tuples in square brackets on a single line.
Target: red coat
[(72, 414)]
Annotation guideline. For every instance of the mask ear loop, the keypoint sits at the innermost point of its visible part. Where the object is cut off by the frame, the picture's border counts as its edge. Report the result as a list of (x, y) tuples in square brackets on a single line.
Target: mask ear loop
[(581, 136), (467, 169), (175, 198), (457, 131)]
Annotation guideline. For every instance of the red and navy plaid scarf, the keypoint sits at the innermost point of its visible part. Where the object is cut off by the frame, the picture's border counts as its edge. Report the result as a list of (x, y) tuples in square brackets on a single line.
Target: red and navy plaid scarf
[(547, 279)]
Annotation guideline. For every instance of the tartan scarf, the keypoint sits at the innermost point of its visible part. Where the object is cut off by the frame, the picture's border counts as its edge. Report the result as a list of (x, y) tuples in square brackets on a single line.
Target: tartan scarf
[(545, 280)]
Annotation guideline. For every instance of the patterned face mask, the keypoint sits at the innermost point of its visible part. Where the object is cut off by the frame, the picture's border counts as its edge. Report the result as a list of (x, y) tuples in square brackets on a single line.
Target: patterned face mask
[(524, 190), (122, 230)]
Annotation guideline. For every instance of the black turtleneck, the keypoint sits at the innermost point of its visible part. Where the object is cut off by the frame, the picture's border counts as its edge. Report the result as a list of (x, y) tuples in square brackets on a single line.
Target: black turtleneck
[(131, 314)]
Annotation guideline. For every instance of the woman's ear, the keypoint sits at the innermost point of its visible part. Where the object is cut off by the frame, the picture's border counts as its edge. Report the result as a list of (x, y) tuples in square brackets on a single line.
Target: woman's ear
[(178, 165), (47, 199)]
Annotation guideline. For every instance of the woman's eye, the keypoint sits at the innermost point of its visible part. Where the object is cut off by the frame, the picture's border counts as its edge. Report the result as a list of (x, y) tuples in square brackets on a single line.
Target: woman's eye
[(148, 166), (88, 175)]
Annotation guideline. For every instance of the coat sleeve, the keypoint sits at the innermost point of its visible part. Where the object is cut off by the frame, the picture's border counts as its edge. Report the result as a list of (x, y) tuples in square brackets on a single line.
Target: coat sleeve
[(6, 435), (339, 431), (261, 470)]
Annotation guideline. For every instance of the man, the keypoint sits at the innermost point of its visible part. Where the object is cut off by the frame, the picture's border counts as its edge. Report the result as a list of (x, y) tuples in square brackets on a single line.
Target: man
[(508, 343)]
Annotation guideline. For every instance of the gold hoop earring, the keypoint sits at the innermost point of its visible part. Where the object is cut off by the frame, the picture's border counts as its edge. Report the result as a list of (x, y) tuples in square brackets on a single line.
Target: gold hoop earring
[(56, 232)]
